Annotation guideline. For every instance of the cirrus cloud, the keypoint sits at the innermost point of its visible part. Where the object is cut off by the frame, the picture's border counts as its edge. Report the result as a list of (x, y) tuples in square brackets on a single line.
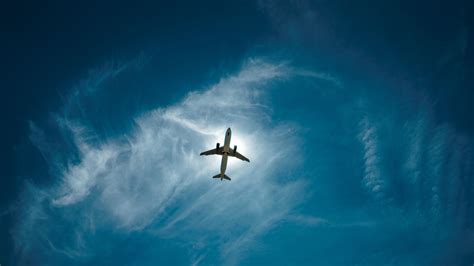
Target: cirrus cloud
[(151, 180)]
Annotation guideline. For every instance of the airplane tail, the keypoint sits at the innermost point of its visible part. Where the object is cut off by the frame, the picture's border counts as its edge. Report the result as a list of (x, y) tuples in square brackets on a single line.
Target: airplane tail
[(221, 177)]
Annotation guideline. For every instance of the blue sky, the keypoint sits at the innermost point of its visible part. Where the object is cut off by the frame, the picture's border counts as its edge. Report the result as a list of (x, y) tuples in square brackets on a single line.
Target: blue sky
[(356, 117)]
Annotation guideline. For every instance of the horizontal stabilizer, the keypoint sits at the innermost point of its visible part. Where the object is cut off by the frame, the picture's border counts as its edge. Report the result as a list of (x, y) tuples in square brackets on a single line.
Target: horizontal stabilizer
[(221, 177)]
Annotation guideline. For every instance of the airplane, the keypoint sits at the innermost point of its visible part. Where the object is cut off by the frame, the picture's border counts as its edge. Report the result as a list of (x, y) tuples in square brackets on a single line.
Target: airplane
[(225, 151)]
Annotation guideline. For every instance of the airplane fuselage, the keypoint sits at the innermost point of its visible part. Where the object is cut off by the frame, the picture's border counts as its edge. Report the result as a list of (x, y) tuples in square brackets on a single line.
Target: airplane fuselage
[(225, 155), (225, 151)]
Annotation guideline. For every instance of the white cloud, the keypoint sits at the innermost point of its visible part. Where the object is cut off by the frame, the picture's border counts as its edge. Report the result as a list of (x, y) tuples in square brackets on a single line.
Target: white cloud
[(373, 179), (153, 179)]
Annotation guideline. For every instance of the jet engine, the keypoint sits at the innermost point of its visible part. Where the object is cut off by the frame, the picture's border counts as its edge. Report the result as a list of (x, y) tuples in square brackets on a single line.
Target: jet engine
[(235, 149), (217, 146)]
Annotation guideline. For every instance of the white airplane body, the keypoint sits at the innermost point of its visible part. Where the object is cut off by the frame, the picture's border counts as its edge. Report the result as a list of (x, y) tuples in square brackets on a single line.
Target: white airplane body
[(225, 152)]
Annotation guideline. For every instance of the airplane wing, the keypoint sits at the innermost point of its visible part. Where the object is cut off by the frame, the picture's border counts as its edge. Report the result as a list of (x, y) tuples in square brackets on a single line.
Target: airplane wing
[(238, 155), (213, 151)]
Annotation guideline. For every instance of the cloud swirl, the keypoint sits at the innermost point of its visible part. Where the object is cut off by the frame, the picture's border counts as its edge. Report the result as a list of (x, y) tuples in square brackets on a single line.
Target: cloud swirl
[(152, 179)]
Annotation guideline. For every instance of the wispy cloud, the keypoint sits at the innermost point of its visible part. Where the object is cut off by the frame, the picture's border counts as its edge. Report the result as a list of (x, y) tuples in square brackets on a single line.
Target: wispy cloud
[(152, 179), (308, 220), (435, 163), (373, 179)]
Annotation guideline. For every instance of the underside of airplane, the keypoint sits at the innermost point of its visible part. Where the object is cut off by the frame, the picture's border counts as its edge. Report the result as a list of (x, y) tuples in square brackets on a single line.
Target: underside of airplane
[(225, 151)]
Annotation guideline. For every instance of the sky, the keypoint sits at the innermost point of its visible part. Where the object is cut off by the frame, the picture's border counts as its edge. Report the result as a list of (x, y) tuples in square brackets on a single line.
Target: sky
[(356, 118)]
